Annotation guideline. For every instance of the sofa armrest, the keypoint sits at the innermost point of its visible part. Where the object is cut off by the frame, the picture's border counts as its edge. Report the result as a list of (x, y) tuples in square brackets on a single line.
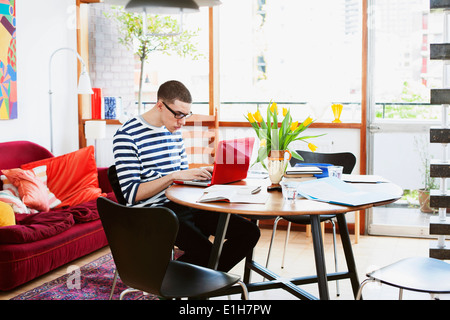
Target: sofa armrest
[(103, 180)]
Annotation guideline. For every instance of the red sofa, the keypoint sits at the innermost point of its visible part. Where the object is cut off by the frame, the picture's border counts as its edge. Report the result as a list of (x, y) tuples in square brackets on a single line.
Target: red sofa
[(40, 242)]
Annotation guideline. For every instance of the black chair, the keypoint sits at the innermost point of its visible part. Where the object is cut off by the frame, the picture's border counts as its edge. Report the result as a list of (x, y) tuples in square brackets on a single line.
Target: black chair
[(419, 274), (345, 159), (141, 242), (114, 181)]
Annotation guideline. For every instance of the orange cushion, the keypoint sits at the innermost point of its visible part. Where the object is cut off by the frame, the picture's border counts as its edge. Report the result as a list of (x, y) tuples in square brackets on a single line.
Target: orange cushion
[(72, 177), (32, 190)]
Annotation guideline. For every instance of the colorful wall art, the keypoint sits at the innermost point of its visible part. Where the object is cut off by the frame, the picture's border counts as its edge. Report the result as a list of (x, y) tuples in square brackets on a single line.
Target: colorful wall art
[(8, 67)]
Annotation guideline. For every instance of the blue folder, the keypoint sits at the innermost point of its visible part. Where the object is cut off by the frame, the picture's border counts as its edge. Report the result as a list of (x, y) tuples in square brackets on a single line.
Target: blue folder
[(323, 166)]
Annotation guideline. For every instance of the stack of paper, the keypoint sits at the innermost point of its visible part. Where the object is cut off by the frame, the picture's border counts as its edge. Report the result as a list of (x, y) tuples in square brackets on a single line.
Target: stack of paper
[(303, 170), (300, 174), (334, 190)]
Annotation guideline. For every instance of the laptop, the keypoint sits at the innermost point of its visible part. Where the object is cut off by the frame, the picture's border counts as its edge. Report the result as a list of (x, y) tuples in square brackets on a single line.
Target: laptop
[(231, 163)]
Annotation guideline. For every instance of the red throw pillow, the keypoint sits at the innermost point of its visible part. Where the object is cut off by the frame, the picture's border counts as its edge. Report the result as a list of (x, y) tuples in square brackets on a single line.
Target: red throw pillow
[(32, 190), (71, 177)]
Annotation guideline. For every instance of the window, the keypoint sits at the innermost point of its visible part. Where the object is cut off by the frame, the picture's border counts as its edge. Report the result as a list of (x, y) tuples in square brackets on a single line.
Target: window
[(403, 71), (301, 53), (194, 73)]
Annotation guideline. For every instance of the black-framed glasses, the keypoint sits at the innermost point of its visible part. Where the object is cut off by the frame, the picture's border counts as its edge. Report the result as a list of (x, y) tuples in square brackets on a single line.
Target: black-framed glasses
[(177, 115)]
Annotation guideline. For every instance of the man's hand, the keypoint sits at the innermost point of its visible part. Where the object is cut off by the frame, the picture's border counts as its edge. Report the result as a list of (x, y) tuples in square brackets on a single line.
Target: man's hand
[(203, 173)]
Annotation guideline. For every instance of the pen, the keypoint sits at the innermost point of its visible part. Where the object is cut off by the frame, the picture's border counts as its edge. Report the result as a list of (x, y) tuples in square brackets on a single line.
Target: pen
[(256, 190)]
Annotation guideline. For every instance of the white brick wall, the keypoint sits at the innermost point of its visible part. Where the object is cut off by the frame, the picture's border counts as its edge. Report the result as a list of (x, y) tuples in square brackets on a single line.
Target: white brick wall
[(111, 67), (111, 64)]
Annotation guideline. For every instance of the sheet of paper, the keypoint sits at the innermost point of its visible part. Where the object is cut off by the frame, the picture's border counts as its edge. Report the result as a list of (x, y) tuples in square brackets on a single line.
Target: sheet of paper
[(334, 190)]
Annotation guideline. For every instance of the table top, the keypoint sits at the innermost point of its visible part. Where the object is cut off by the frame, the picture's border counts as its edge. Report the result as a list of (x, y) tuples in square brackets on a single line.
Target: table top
[(275, 205)]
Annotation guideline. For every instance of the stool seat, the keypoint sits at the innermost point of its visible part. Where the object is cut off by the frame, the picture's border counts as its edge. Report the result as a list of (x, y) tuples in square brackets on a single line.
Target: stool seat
[(420, 274), (416, 274)]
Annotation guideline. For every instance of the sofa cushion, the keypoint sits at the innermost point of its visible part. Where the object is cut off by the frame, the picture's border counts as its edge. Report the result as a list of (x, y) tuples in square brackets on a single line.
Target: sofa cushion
[(15, 202), (71, 177), (32, 191), (41, 174), (7, 217)]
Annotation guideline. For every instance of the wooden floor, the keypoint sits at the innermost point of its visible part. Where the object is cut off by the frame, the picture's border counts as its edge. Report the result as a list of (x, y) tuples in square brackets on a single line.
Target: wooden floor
[(371, 252)]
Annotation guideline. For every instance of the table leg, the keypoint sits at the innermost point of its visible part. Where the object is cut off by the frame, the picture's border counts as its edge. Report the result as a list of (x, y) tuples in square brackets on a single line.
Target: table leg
[(248, 260), (319, 257), (348, 251), (219, 237)]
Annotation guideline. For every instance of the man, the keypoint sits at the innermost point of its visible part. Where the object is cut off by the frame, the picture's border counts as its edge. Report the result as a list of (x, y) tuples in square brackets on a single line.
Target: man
[(149, 155)]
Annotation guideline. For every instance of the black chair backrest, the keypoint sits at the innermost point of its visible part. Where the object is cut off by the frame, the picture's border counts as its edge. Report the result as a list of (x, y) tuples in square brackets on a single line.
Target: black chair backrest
[(345, 159), (141, 242), (115, 185)]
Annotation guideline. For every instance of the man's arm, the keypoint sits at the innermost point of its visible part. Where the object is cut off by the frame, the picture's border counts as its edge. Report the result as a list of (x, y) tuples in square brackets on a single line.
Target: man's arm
[(151, 188)]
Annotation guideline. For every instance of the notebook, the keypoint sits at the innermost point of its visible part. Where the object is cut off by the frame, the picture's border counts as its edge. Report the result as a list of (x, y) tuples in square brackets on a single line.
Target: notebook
[(231, 163)]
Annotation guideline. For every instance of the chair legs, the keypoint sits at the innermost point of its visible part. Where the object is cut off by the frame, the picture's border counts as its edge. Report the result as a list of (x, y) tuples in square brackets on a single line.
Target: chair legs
[(274, 230), (338, 292), (129, 290), (358, 296), (244, 290), (126, 291), (114, 284), (288, 233)]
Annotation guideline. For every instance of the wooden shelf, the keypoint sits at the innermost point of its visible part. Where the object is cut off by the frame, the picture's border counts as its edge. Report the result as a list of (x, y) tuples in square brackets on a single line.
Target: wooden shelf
[(108, 121), (313, 125)]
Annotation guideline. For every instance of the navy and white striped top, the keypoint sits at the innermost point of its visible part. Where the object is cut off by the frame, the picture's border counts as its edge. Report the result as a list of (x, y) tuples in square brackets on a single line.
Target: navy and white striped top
[(143, 153)]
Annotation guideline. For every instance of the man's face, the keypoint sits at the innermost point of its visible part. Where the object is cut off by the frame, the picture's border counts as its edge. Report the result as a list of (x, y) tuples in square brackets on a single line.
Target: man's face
[(170, 113)]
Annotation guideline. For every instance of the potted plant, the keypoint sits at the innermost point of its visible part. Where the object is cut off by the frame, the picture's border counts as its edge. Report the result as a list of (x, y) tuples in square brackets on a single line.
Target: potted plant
[(429, 184), (275, 139)]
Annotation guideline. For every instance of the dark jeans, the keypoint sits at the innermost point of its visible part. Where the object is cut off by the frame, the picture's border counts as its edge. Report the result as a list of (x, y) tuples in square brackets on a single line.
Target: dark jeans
[(197, 225)]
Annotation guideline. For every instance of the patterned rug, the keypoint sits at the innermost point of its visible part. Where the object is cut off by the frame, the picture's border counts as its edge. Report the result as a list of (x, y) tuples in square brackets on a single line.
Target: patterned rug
[(92, 281)]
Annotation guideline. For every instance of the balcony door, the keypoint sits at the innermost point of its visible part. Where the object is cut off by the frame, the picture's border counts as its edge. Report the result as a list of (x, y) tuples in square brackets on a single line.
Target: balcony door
[(400, 78)]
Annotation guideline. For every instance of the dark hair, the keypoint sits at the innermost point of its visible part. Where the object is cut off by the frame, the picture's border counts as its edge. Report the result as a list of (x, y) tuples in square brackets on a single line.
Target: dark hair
[(174, 90)]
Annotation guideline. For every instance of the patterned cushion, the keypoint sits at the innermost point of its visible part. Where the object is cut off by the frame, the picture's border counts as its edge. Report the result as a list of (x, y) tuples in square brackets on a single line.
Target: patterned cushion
[(41, 174)]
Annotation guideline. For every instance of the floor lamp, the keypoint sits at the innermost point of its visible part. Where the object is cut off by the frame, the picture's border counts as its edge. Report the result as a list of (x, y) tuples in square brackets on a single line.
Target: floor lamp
[(84, 86)]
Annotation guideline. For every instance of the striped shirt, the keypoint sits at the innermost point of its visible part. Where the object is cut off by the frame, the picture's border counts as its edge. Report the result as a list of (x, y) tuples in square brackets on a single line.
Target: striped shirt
[(143, 153)]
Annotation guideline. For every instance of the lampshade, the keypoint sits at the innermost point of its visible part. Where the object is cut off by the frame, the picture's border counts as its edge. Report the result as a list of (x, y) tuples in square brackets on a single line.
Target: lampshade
[(207, 3), (95, 129), (84, 84), (162, 6), (200, 3)]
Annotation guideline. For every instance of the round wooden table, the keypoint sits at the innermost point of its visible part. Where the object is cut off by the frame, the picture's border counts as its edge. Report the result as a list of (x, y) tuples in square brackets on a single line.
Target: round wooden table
[(276, 206)]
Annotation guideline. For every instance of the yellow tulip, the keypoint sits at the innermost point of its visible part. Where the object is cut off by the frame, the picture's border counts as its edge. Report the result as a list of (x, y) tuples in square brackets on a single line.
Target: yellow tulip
[(263, 143), (274, 108), (307, 121), (294, 125), (250, 117), (312, 147), (285, 111), (257, 116)]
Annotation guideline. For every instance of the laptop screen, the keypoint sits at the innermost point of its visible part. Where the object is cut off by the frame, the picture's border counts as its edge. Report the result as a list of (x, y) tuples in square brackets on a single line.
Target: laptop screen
[(232, 160)]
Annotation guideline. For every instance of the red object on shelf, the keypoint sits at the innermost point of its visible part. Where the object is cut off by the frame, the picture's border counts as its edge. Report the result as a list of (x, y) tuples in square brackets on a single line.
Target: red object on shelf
[(96, 104)]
